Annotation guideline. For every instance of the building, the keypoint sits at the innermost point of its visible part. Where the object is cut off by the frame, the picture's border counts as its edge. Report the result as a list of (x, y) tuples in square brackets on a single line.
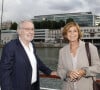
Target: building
[(97, 21), (7, 35), (41, 35), (82, 18), (6, 25), (90, 34)]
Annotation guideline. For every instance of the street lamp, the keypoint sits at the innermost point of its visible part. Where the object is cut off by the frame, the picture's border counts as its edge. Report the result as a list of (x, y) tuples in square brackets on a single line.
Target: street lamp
[(1, 19)]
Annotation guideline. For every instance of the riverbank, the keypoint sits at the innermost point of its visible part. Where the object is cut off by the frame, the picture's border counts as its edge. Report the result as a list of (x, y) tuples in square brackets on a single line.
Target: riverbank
[(1, 46), (45, 45), (49, 45)]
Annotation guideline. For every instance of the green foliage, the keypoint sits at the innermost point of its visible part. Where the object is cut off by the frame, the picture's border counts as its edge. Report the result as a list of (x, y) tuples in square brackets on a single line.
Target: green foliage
[(13, 26), (69, 20), (47, 24)]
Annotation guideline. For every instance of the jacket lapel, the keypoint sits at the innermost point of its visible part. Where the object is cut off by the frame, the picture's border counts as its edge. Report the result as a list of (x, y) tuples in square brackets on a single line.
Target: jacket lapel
[(67, 57), (79, 54), (24, 55), (70, 58)]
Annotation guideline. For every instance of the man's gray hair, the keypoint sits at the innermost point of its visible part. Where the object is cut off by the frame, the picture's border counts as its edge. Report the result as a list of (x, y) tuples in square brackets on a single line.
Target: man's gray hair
[(21, 22)]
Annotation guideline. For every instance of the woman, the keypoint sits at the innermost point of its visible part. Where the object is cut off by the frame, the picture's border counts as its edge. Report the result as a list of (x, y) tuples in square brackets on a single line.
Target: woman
[(73, 66)]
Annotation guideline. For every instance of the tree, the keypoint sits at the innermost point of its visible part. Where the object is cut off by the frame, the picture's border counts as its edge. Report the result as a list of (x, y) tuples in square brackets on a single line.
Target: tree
[(99, 24), (13, 26), (69, 20), (61, 23)]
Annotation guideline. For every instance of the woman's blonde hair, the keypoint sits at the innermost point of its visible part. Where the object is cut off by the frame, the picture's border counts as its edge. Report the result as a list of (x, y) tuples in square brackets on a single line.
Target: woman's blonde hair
[(68, 26)]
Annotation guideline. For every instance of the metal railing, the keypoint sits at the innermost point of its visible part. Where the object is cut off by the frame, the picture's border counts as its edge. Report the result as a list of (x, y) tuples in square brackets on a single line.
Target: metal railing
[(56, 77), (45, 86)]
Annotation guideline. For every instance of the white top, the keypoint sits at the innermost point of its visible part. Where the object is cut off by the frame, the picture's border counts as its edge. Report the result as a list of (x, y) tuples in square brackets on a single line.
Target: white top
[(74, 62), (32, 59)]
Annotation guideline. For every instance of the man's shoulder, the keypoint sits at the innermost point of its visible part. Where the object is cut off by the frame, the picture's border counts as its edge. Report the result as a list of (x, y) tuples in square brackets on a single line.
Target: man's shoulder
[(11, 43)]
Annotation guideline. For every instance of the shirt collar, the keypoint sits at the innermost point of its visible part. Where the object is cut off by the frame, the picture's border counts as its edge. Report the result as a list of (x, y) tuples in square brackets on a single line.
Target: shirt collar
[(30, 44)]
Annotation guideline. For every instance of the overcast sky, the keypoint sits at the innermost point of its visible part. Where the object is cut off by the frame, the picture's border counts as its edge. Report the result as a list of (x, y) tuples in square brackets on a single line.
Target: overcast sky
[(16, 10)]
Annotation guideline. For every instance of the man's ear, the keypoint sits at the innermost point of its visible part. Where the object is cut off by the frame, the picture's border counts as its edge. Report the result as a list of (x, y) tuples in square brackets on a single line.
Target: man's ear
[(18, 32)]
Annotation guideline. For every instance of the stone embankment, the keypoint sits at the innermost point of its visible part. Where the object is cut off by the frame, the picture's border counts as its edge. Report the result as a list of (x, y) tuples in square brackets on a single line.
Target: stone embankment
[(1, 45), (42, 45)]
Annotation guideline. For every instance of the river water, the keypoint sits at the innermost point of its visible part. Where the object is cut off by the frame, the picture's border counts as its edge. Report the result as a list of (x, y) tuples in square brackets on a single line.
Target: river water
[(50, 57)]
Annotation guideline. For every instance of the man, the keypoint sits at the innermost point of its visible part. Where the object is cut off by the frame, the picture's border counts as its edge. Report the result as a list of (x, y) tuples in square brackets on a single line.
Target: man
[(20, 64)]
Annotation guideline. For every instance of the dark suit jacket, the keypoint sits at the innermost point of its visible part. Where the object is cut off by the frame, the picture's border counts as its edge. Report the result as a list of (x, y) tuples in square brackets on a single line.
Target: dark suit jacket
[(16, 70)]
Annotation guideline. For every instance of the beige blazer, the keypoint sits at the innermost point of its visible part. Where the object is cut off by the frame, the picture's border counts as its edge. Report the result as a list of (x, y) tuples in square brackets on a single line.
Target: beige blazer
[(65, 65)]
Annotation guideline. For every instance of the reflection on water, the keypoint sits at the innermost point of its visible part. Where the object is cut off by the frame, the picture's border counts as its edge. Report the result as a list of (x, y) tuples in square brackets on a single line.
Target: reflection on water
[(49, 56)]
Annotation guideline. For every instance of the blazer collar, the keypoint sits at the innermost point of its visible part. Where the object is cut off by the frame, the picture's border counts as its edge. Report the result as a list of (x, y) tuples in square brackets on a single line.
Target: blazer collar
[(23, 53)]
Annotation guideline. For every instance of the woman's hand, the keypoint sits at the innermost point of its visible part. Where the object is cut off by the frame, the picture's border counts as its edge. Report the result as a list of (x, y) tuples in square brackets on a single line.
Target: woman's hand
[(82, 72), (76, 74), (73, 75)]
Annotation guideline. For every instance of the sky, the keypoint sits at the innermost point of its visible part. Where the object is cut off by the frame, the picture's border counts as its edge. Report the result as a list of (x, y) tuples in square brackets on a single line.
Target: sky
[(16, 10)]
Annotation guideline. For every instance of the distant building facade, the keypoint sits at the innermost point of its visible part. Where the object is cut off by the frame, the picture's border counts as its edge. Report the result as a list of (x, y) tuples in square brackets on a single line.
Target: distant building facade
[(41, 35), (90, 34), (6, 25), (82, 18), (7, 35), (97, 21)]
